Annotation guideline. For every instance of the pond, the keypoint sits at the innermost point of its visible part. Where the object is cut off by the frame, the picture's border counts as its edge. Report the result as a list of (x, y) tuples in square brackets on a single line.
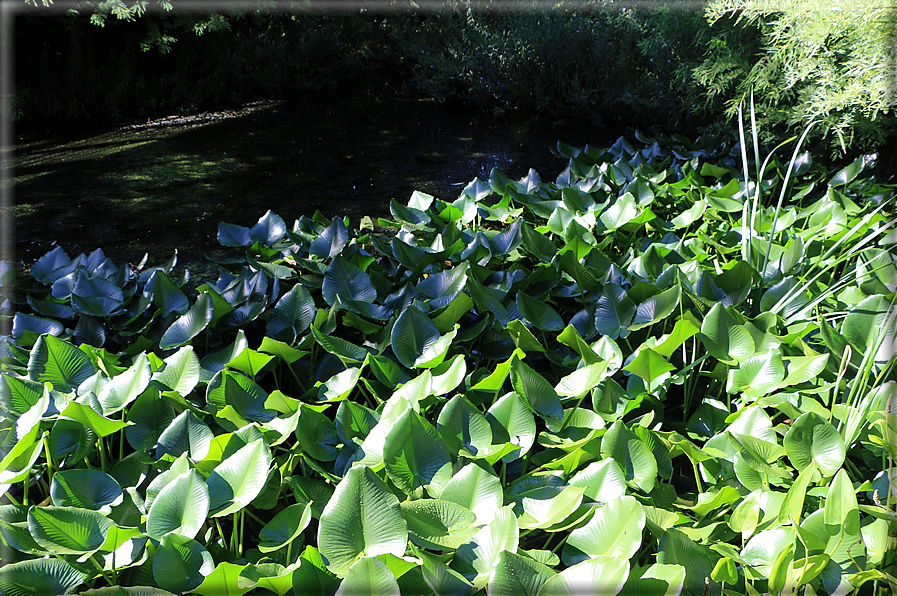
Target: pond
[(163, 184)]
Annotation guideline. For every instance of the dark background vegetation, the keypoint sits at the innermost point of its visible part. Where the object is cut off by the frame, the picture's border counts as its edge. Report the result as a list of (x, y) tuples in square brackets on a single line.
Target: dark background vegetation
[(592, 61), (660, 66)]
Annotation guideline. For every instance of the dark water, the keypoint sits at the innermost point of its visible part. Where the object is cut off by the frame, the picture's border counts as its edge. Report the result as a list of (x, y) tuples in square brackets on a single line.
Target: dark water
[(151, 187)]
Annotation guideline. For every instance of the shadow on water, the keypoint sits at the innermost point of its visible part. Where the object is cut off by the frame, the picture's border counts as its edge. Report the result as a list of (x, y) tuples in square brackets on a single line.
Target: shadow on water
[(156, 186)]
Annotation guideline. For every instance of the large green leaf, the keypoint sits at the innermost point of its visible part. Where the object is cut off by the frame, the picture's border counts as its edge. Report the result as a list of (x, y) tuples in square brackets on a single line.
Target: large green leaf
[(840, 511), (477, 488), (438, 524), (812, 438), (657, 580), (463, 427), (40, 577), (516, 575), (87, 489), (362, 518), (412, 333), (24, 401), (651, 367), (68, 530), (758, 375), (537, 391), (476, 558), (124, 388), (443, 286), (292, 314), (239, 479), (317, 434), (512, 421), (244, 396), (621, 211), (96, 296), (604, 480), (369, 576), (543, 509), (227, 578), (181, 507), (97, 423), (58, 362), (185, 434), (632, 454), (331, 240), (415, 457), (167, 297), (190, 324), (149, 416), (601, 575), (269, 229), (656, 308), (724, 338), (181, 564), (345, 280), (541, 315), (582, 380), (284, 527), (675, 548), (614, 312), (181, 372), (615, 530)]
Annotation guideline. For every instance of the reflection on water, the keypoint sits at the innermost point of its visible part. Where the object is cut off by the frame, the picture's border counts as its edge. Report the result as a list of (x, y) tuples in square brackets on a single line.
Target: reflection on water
[(165, 184)]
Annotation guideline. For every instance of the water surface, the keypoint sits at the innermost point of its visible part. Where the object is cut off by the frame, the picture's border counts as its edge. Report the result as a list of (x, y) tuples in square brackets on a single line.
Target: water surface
[(153, 186)]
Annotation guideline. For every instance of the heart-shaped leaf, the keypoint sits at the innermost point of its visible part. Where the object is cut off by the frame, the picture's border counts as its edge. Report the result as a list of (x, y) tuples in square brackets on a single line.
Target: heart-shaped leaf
[(362, 518)]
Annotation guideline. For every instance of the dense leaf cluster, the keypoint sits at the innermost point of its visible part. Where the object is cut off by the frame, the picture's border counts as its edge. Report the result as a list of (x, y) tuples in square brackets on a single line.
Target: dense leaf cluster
[(648, 376)]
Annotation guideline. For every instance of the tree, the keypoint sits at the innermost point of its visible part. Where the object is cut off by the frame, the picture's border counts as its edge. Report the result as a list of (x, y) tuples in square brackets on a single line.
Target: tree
[(831, 63)]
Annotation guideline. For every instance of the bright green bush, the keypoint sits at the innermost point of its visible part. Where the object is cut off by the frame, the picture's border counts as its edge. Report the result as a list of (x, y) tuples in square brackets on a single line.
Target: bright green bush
[(830, 63), (655, 374)]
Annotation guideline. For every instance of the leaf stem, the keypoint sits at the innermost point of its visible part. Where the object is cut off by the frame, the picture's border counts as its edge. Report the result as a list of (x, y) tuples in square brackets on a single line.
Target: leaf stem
[(102, 572)]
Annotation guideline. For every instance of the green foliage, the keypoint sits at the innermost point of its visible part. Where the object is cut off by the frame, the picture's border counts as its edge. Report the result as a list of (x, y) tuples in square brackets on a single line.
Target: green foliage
[(830, 63), (648, 376), (591, 60)]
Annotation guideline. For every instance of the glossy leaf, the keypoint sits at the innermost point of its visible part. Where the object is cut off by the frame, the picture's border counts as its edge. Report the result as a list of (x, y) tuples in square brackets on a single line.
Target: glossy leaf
[(362, 518), (181, 564), (614, 530)]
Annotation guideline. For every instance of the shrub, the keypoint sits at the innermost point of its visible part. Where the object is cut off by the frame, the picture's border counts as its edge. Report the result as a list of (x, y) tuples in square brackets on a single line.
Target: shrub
[(829, 63)]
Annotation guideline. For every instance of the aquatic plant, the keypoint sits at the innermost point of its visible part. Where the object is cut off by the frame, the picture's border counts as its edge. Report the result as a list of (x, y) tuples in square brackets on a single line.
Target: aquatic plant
[(670, 370)]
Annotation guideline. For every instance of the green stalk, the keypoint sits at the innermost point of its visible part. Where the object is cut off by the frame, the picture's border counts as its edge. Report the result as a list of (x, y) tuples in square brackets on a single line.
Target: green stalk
[(694, 466), (242, 527), (102, 451), (47, 455), (25, 484), (220, 531), (233, 533), (100, 569)]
